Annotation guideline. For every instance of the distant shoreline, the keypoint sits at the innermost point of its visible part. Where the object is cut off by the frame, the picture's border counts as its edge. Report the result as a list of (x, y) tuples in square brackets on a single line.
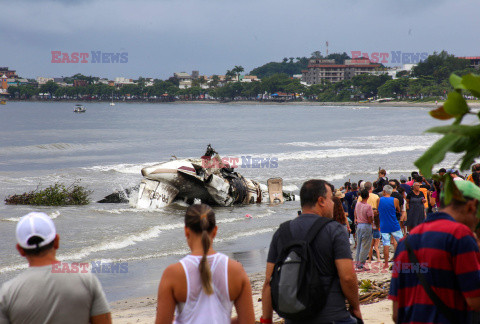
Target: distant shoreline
[(429, 104)]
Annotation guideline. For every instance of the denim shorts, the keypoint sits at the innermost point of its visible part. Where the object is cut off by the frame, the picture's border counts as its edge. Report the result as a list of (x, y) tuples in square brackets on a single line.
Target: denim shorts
[(398, 235), (376, 233)]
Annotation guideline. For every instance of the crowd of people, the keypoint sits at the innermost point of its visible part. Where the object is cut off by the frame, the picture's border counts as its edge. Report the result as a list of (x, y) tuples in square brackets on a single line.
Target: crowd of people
[(310, 276), (406, 203)]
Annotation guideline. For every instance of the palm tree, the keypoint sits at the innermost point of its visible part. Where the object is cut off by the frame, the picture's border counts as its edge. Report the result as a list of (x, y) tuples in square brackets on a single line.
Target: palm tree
[(237, 70), (214, 81), (229, 75)]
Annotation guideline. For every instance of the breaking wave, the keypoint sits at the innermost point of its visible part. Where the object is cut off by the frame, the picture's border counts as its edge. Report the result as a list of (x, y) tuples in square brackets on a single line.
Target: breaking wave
[(117, 244), (370, 141), (48, 148), (53, 215), (347, 152), (120, 168)]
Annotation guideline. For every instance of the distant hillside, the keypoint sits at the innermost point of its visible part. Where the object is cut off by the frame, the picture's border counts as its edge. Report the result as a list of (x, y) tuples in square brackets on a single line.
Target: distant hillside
[(291, 66), (287, 66)]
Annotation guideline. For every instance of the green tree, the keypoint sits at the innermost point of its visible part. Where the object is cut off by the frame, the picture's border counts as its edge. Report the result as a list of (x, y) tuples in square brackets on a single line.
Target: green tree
[(440, 66), (214, 81), (252, 89), (237, 70), (272, 68), (49, 87), (368, 84), (457, 138), (275, 83), (229, 75), (394, 88), (339, 58)]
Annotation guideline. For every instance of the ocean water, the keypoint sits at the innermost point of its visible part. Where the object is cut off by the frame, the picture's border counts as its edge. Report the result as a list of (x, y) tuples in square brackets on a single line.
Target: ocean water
[(105, 148)]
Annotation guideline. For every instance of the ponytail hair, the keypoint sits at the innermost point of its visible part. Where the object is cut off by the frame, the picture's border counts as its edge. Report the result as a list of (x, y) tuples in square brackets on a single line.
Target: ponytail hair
[(201, 220)]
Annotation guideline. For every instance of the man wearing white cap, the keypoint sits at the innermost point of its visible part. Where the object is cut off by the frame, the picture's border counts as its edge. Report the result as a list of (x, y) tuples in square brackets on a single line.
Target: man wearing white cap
[(40, 295)]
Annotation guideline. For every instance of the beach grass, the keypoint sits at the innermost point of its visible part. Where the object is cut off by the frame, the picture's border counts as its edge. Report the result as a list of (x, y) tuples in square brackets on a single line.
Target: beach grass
[(55, 195)]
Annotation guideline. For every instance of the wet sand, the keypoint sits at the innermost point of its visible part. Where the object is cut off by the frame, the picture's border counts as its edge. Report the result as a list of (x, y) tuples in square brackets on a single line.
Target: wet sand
[(143, 309)]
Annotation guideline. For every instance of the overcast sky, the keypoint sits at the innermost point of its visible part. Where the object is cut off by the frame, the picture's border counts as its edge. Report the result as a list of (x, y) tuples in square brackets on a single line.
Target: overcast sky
[(166, 36)]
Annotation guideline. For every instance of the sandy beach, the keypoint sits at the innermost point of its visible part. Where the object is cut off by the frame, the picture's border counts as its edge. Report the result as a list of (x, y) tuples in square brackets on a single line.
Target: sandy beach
[(428, 104), (420, 104), (143, 309)]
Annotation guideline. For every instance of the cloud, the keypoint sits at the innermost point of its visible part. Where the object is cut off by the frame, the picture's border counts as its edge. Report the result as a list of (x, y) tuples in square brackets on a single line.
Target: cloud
[(165, 36)]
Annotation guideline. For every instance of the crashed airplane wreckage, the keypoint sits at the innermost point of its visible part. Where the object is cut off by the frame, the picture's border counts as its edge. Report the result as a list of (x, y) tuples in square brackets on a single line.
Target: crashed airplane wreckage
[(206, 179)]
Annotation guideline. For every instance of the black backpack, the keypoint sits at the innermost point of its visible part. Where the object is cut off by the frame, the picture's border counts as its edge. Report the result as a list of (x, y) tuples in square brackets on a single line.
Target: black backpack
[(297, 288)]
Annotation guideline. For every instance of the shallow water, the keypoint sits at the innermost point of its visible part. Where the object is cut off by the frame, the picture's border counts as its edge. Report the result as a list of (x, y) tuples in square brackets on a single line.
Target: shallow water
[(105, 148)]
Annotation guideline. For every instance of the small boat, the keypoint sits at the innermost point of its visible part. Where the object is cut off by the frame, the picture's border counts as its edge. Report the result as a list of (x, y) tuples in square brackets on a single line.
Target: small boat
[(3, 102), (111, 102), (79, 109)]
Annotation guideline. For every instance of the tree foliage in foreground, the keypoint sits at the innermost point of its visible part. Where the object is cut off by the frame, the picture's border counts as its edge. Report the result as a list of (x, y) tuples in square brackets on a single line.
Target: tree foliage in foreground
[(457, 137), (55, 195)]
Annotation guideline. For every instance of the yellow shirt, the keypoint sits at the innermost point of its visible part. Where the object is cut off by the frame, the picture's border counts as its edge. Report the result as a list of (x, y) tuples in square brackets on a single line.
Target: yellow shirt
[(425, 193), (372, 200)]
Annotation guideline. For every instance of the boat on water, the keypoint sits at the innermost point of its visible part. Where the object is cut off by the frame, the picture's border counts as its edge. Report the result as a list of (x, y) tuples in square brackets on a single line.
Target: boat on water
[(207, 179), (3, 102), (111, 102), (79, 109)]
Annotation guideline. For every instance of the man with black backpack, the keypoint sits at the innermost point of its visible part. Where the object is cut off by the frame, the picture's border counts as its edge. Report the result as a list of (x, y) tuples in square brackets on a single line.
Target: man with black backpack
[(309, 265)]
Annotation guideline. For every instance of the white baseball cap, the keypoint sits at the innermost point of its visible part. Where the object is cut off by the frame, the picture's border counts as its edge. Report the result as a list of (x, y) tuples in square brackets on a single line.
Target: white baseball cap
[(35, 224)]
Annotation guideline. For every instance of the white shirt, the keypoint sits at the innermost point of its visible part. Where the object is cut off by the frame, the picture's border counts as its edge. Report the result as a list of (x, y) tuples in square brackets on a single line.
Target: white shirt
[(199, 307)]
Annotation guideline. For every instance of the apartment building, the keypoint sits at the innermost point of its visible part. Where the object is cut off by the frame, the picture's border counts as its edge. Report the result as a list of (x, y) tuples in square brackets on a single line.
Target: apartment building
[(11, 74), (322, 70), (474, 61)]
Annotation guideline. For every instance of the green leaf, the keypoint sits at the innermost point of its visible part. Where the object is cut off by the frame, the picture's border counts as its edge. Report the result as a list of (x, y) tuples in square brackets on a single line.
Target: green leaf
[(472, 83), (440, 113), (472, 152), (460, 145), (455, 104), (462, 130), (451, 191), (435, 154), (456, 82), (448, 190)]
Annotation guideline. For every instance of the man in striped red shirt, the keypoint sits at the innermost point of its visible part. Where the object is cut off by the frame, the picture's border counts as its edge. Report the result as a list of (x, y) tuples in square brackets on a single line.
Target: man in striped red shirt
[(449, 260)]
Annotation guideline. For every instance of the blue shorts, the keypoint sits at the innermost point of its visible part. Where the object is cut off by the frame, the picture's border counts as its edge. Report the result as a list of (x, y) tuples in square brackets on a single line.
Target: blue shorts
[(376, 233), (398, 235)]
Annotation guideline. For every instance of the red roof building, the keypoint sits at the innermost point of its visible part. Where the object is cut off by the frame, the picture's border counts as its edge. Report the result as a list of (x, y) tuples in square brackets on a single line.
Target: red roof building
[(474, 61), (321, 70)]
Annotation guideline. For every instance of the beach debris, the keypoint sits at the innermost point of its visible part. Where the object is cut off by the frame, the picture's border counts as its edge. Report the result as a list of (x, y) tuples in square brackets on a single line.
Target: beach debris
[(365, 285), (372, 291), (119, 196), (248, 216), (55, 195), (288, 196)]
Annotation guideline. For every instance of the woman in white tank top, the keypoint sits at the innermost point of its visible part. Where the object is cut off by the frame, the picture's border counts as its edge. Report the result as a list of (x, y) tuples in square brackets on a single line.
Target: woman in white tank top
[(204, 285)]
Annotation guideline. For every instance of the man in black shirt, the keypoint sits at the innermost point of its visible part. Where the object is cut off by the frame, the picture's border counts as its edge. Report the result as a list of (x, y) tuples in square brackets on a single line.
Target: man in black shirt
[(381, 181), (334, 258), (396, 194)]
